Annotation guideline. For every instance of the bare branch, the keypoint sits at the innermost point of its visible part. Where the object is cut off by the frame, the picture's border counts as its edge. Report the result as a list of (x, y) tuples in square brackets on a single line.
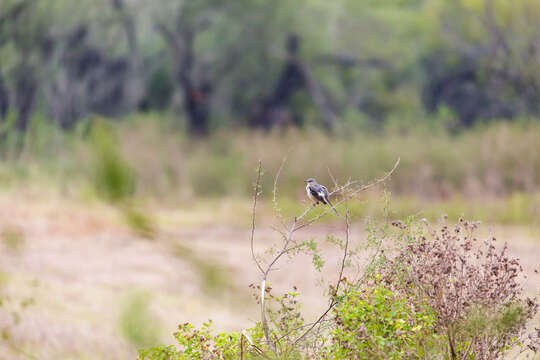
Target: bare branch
[(345, 251), (277, 210), (336, 186), (365, 187), (264, 273)]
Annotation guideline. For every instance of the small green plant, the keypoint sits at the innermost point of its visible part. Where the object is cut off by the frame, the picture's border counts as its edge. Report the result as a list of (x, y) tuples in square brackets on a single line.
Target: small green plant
[(140, 222), (13, 238), (213, 276), (12, 313), (114, 178), (137, 323), (204, 344)]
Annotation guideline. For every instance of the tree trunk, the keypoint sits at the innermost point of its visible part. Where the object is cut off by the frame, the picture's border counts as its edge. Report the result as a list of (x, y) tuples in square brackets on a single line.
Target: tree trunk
[(25, 95), (196, 93), (197, 109), (4, 98), (295, 76)]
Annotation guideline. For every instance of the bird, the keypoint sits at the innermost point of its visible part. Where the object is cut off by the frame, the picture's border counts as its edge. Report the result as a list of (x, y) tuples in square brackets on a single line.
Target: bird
[(318, 193)]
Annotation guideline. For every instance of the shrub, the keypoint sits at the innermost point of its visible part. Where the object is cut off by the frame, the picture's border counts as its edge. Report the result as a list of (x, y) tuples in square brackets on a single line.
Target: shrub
[(472, 287), (114, 179), (376, 323)]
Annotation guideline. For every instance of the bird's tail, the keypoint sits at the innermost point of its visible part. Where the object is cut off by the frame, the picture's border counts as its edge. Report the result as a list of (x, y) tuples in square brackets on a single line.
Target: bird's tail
[(333, 208)]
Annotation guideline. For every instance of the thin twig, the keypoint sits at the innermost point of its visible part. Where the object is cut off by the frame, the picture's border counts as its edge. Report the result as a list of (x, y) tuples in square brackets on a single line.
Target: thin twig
[(263, 315), (254, 212), (370, 185), (345, 252), (274, 192), (283, 251), (336, 186), (294, 329)]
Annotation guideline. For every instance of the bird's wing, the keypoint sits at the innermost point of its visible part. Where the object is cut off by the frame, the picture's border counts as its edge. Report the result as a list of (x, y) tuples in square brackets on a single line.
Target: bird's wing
[(324, 193), (320, 192), (324, 189), (315, 192), (327, 198)]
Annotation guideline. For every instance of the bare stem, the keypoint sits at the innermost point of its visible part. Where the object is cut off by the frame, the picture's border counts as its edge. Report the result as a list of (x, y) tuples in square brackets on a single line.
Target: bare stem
[(254, 212), (274, 191), (370, 185)]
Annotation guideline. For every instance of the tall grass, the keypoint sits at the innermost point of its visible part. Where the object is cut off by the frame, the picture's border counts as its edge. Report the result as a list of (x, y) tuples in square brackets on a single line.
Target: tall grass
[(149, 158), (491, 161)]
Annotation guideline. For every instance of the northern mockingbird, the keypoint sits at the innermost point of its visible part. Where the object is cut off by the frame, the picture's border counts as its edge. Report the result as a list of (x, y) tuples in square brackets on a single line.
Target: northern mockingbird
[(318, 193)]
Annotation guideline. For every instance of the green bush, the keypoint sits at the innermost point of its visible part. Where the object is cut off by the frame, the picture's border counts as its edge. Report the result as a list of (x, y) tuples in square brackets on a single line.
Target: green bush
[(375, 323)]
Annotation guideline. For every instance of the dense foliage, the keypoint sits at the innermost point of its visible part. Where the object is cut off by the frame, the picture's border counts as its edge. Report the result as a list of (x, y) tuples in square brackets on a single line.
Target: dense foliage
[(376, 323)]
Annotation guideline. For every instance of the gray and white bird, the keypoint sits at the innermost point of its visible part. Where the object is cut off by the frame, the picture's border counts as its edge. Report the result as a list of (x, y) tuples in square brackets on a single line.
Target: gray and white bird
[(318, 193)]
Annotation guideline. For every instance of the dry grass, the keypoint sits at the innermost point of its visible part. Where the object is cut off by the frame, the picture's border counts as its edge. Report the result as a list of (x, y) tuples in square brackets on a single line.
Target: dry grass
[(486, 162), (79, 263)]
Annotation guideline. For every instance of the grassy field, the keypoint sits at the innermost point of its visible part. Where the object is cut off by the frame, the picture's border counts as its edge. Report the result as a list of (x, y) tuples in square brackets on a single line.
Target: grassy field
[(111, 238), (489, 173), (93, 289)]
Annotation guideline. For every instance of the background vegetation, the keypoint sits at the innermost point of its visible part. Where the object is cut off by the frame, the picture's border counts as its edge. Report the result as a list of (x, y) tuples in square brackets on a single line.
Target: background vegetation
[(339, 64)]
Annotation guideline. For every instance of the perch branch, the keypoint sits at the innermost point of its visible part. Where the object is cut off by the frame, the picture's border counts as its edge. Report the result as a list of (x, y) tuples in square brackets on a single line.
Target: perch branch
[(355, 192)]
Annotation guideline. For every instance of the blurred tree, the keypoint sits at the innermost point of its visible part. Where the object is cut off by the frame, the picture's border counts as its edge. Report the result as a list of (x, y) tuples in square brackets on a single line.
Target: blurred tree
[(195, 83), (212, 41), (295, 75), (224, 63), (27, 43), (486, 62)]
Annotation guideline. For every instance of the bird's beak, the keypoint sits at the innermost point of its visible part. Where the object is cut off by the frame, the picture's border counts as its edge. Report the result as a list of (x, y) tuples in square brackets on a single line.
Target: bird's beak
[(305, 181)]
